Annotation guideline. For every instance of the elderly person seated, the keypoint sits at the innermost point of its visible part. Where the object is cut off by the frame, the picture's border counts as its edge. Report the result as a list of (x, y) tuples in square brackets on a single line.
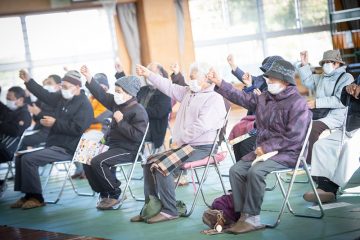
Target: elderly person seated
[(127, 129), (72, 116), (327, 87), (334, 158), (201, 113), (282, 119)]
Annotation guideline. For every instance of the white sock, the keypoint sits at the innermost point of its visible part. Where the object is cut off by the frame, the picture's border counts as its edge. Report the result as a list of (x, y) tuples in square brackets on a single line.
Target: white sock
[(253, 220)]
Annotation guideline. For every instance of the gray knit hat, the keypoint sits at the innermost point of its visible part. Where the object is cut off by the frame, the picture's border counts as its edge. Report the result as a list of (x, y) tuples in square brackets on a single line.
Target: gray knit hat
[(267, 62), (130, 84), (282, 70), (101, 78), (73, 77), (331, 55)]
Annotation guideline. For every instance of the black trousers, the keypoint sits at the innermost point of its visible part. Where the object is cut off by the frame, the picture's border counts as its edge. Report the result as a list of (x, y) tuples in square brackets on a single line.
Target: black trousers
[(100, 173), (244, 147)]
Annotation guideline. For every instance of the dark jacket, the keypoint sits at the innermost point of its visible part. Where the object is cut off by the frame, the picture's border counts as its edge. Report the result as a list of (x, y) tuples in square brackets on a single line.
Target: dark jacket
[(353, 118), (128, 133), (158, 108), (46, 110), (178, 79), (73, 116), (282, 120), (14, 123)]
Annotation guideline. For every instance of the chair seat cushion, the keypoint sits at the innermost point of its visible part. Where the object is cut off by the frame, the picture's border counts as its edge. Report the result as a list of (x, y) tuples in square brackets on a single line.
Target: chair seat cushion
[(218, 157)]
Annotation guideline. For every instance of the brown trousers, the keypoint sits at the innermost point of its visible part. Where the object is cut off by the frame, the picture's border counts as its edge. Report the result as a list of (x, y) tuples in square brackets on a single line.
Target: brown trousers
[(317, 128)]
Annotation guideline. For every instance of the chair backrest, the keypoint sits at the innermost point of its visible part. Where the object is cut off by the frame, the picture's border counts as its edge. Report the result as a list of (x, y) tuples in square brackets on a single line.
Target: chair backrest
[(305, 142), (142, 142), (217, 140)]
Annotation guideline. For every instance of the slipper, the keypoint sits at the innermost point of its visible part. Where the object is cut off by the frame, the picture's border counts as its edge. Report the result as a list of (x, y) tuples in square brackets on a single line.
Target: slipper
[(243, 227), (32, 203)]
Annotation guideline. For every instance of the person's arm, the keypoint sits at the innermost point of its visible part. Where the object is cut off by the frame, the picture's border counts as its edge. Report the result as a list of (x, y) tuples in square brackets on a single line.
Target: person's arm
[(99, 93), (293, 136), (227, 90), (43, 95), (309, 79), (335, 101), (76, 125), (162, 107), (174, 91), (133, 129), (119, 74), (238, 73)]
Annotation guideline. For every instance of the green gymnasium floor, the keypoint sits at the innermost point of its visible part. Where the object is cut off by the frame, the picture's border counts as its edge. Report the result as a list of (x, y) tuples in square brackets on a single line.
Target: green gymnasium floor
[(78, 215)]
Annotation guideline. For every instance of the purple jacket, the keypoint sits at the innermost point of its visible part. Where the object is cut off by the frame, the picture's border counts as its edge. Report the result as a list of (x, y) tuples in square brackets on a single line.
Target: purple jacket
[(282, 120)]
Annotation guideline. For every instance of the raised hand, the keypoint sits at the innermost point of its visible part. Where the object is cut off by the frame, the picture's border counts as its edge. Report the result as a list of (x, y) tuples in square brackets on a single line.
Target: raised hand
[(24, 75), (118, 116), (214, 77), (247, 79), (118, 66), (84, 70), (175, 68), (142, 71), (231, 61), (304, 58)]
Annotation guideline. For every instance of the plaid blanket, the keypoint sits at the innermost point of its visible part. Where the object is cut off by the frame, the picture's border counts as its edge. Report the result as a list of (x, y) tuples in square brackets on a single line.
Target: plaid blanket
[(167, 161)]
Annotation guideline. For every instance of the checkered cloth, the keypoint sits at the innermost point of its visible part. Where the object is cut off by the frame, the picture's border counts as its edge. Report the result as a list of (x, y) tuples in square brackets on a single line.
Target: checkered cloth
[(167, 161)]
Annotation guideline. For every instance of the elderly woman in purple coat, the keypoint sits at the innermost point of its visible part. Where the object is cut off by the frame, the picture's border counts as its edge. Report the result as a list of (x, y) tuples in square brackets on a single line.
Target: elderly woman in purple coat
[(282, 119)]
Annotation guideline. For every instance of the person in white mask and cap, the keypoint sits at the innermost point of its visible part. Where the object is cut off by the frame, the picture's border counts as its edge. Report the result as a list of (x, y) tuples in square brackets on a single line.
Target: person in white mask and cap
[(126, 131), (328, 111)]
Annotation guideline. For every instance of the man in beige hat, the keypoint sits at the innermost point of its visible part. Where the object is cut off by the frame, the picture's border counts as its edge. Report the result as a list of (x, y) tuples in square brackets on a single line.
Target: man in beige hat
[(327, 88)]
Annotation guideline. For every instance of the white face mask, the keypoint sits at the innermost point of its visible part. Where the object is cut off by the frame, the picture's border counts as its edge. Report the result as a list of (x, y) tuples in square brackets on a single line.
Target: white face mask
[(49, 88), (194, 86), (328, 68), (119, 98), (11, 105), (275, 88), (67, 94)]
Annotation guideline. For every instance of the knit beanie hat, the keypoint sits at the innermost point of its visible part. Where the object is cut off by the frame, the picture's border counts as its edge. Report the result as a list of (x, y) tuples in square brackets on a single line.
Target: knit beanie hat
[(333, 56), (282, 70), (73, 77), (267, 62), (130, 84), (101, 78)]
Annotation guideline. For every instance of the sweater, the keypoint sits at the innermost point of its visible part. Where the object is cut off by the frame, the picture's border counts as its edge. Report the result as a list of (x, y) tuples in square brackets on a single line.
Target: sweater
[(200, 114)]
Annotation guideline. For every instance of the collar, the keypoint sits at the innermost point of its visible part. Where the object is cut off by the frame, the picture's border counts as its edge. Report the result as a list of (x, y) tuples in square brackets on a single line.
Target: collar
[(289, 90)]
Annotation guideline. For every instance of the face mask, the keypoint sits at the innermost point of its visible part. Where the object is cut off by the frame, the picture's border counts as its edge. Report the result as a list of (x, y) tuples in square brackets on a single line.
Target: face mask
[(67, 94), (328, 68), (49, 88), (275, 88), (119, 98), (194, 86), (11, 105)]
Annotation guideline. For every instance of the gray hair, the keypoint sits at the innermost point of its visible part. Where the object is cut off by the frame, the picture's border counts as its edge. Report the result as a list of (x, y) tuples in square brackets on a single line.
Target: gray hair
[(200, 67)]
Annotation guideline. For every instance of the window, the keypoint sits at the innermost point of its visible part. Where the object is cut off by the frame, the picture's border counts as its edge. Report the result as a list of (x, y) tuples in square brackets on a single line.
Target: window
[(11, 41)]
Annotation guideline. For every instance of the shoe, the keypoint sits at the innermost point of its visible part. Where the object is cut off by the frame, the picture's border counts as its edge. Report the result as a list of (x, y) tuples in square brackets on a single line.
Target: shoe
[(76, 175), (137, 218), (3, 188), (19, 203), (182, 182), (108, 204), (32, 203), (160, 217), (82, 175), (325, 197), (243, 227)]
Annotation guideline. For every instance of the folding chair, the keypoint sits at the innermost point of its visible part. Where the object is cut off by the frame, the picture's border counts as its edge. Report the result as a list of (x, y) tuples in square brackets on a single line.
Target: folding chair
[(212, 160), (128, 176), (286, 194), (67, 167)]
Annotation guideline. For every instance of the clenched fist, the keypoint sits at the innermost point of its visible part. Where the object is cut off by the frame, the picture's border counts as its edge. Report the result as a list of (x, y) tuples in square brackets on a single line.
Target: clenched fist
[(118, 116), (24, 75), (86, 73), (142, 71)]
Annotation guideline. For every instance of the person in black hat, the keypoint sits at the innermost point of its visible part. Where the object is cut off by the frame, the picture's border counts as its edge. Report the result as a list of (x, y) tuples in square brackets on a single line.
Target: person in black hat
[(128, 126), (72, 116)]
